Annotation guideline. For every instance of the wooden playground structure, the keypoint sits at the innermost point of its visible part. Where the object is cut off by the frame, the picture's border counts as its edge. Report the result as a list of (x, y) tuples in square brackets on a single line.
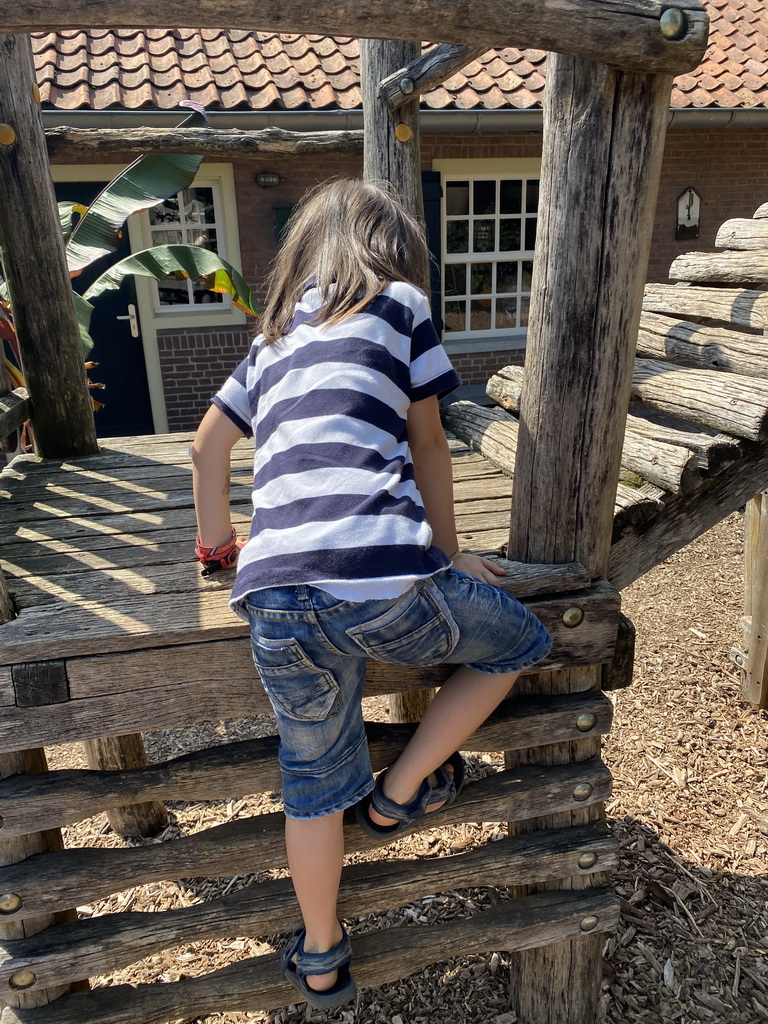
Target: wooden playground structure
[(110, 630)]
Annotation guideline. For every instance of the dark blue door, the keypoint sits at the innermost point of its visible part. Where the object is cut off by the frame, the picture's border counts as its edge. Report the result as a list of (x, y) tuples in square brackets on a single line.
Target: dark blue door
[(117, 347)]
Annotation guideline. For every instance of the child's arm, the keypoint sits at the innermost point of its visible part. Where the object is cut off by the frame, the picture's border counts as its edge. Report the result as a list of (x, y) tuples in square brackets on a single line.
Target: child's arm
[(434, 478), (211, 451)]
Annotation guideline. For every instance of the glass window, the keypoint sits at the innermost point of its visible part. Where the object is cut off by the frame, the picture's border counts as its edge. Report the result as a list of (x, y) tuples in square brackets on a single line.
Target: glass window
[(490, 236), (191, 217)]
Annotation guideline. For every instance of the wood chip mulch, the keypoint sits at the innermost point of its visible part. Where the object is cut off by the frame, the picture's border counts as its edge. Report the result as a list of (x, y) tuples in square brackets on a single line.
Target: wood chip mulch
[(689, 808)]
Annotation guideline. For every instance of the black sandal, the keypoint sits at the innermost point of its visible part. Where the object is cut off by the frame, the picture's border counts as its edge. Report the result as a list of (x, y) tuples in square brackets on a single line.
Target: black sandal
[(445, 790), (338, 959)]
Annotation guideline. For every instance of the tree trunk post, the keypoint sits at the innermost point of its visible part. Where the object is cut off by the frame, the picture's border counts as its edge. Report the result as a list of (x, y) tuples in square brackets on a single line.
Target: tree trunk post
[(603, 141), (754, 684), (35, 267), (113, 753), (392, 152)]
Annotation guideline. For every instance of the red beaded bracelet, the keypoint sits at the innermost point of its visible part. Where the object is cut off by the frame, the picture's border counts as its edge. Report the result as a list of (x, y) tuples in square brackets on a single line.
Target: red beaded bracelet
[(222, 556)]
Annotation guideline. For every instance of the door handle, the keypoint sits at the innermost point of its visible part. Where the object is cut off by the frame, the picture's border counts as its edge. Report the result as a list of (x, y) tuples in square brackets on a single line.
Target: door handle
[(132, 319)]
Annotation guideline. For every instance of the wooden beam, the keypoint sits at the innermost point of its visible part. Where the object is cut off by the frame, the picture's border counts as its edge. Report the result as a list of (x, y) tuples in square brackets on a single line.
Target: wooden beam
[(67, 144), (642, 35), (126, 752), (380, 957), (103, 944), (15, 408), (705, 348), (755, 674), (427, 72), (743, 307), (603, 145), (35, 267)]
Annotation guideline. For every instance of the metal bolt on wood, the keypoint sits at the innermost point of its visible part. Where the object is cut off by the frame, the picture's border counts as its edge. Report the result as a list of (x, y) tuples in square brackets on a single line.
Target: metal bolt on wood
[(10, 902), (583, 791), (587, 861), (7, 135), (403, 132), (407, 86), (589, 924), (572, 617), (673, 23), (22, 979), (586, 722)]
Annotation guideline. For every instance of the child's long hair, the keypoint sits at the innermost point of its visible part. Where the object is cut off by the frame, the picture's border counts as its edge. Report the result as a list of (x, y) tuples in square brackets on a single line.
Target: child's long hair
[(350, 239)]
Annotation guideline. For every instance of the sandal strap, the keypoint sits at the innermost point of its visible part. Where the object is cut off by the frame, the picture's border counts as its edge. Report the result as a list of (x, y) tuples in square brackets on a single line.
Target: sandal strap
[(306, 963), (400, 812)]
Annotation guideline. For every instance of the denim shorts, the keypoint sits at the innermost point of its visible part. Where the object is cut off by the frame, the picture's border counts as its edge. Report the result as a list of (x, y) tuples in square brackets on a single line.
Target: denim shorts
[(311, 650)]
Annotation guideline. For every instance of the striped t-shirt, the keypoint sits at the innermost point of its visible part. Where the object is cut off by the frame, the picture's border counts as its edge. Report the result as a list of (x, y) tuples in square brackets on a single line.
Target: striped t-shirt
[(335, 501)]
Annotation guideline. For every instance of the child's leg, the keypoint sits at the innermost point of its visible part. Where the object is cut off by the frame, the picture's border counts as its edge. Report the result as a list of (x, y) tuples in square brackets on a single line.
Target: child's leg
[(315, 851), (460, 706)]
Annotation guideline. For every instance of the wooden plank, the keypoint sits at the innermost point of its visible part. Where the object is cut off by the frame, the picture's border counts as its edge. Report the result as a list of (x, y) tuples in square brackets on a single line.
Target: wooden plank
[(36, 802), (755, 687), (687, 517), (74, 877), (742, 233), (38, 684), (743, 307), (115, 753), (708, 348), (35, 267), (714, 451), (15, 408), (729, 402), (70, 145), (742, 268), (380, 957), (7, 692), (626, 33), (104, 944), (602, 153)]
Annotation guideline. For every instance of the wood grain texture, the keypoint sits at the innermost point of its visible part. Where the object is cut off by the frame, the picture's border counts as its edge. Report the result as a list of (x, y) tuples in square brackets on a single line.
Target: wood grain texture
[(35, 268), (114, 753), (706, 348), (426, 72), (36, 802), (77, 876), (66, 143), (15, 408), (755, 687), (743, 307), (625, 33), (742, 233), (729, 402), (742, 268), (380, 957), (102, 945)]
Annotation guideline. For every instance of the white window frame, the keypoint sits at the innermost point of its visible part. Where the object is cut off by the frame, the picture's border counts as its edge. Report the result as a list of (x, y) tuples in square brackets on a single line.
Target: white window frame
[(525, 169)]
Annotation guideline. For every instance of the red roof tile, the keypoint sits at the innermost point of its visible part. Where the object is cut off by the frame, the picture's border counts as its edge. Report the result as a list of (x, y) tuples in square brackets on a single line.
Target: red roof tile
[(235, 69)]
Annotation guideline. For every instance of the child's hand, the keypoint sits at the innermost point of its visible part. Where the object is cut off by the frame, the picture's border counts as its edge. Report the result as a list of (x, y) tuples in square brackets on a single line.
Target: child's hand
[(475, 565)]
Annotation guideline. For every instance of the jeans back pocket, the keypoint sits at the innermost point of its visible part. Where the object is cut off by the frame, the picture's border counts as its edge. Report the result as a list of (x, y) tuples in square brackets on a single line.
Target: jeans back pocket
[(416, 629), (296, 686)]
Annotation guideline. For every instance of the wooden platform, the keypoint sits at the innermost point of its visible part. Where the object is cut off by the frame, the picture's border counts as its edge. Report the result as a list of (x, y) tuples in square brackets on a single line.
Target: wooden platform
[(118, 632)]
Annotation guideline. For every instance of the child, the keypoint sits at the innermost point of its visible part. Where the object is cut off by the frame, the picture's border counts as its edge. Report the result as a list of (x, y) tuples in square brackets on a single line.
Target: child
[(352, 552)]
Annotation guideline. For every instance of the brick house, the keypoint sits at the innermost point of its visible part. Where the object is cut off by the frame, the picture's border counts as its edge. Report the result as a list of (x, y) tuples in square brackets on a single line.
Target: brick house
[(481, 149)]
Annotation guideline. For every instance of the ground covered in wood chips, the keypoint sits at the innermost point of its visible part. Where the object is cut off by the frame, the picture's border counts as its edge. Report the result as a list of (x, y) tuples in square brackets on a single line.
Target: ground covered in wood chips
[(690, 811)]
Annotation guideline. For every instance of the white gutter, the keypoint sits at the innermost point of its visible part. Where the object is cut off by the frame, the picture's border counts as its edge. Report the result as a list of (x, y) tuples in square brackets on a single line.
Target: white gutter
[(470, 121)]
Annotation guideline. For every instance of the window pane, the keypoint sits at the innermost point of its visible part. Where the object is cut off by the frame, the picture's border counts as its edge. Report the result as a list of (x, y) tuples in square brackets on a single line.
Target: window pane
[(527, 275), (524, 306), (482, 278), (457, 236), (480, 315), (166, 237), (511, 196), (506, 277), (510, 236), (532, 197), (166, 213), (530, 233), (205, 239), (455, 316), (506, 312), (198, 205), (455, 278), (173, 292), (484, 198), (457, 198), (204, 296), (484, 236)]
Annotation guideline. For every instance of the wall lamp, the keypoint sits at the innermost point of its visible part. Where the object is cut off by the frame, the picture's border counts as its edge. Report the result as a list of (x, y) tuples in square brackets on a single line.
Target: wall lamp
[(267, 179)]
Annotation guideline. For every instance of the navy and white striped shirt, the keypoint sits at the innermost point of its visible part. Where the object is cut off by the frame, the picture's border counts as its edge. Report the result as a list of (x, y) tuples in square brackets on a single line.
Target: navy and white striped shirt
[(335, 501)]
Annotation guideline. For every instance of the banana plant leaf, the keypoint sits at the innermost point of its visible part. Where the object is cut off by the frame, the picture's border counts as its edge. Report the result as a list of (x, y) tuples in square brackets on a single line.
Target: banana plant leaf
[(83, 309), (67, 213), (190, 261), (146, 182)]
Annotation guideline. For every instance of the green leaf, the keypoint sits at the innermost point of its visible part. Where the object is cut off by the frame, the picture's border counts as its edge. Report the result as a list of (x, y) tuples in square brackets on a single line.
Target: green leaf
[(144, 183), (67, 212), (188, 260), (83, 309)]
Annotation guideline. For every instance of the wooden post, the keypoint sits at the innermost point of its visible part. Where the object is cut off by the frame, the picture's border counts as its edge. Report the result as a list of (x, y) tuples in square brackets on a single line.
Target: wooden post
[(35, 266), (603, 141), (754, 686), (111, 753), (392, 152)]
